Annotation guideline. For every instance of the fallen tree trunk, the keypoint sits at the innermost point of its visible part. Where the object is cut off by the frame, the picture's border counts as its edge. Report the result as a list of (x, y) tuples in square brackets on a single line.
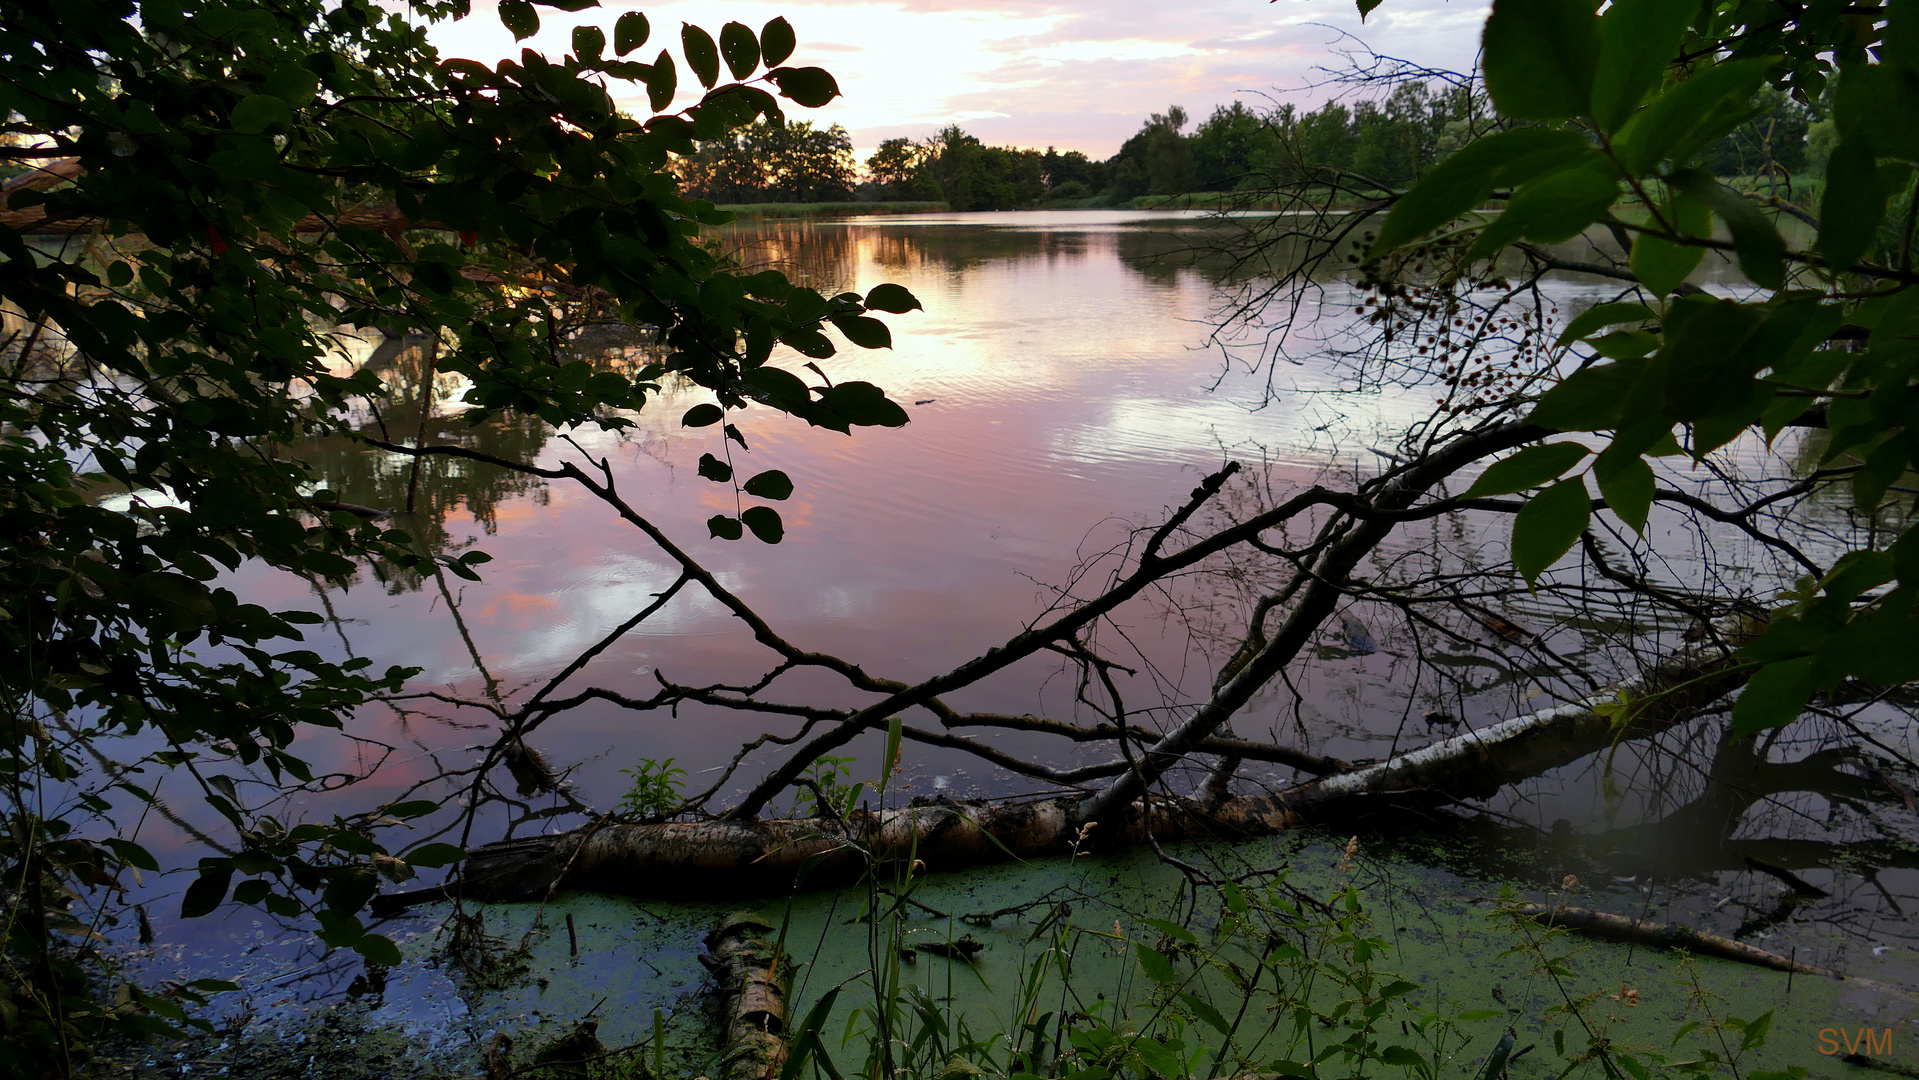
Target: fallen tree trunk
[(752, 974), (1477, 764), (733, 858)]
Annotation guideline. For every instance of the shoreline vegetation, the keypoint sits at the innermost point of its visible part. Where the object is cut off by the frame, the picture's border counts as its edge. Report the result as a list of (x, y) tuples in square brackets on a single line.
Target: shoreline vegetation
[(1804, 193), (1199, 200)]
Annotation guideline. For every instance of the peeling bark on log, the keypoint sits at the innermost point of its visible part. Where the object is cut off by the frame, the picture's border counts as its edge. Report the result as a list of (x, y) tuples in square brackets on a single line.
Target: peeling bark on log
[(1477, 764), (735, 858), (1618, 928), (752, 974)]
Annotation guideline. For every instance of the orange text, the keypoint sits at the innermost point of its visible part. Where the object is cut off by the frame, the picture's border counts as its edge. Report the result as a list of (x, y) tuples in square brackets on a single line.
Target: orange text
[(1865, 1038)]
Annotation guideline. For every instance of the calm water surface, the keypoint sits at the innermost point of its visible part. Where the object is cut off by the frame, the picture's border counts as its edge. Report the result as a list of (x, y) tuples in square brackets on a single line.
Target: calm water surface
[(1063, 392)]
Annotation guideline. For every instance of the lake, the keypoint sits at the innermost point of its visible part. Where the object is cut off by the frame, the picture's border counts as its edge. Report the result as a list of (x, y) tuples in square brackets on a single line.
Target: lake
[(1068, 384)]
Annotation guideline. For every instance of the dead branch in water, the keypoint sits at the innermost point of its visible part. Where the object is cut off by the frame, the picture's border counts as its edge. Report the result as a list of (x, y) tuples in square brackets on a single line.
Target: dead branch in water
[(1605, 926)]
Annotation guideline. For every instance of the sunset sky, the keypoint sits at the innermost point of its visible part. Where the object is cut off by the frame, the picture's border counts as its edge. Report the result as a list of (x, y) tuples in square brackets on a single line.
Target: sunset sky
[(1076, 74)]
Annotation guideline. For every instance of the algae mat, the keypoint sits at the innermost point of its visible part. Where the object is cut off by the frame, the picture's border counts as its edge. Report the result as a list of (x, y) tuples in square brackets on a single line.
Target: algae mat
[(623, 960)]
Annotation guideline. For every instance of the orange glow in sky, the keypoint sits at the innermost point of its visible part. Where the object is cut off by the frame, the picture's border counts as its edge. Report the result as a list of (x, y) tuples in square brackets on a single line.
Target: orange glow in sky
[(1076, 74)]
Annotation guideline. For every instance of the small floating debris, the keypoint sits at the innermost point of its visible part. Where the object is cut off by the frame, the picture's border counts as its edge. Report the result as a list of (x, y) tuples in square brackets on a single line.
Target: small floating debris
[(963, 949), (1507, 629), (1358, 638), (928, 401)]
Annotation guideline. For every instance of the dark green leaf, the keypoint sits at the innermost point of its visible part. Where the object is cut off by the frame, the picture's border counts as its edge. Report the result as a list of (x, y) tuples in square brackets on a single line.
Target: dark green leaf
[(701, 54), (1871, 94), (1366, 8), (1734, 411), (740, 48), (1205, 1011), (776, 41), (809, 342), (1540, 57), (864, 331), (252, 891), (714, 469), (1626, 483), (1468, 176), (765, 523), (1816, 371), (340, 929), (1686, 117), (630, 32), (1775, 695), (1660, 265), (432, 855), (1886, 464), (294, 84), (810, 86), (416, 808), (132, 854), (1529, 468), (771, 484), (806, 1042), (1589, 400), (262, 113), (519, 17), (1155, 965), (1600, 316), (895, 730), (1553, 208), (779, 384), (1857, 571), (588, 42), (703, 415), (1853, 207), (1625, 344), (1762, 254), (1637, 39), (724, 527), (1707, 356), (662, 84), (182, 597), (1173, 930), (863, 404), (378, 949), (205, 893), (891, 298), (119, 274), (1548, 526), (1877, 647)]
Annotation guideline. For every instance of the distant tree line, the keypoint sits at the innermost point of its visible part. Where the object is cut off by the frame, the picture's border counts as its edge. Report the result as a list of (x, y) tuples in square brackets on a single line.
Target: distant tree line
[(1391, 139), (1236, 148), (771, 160)]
